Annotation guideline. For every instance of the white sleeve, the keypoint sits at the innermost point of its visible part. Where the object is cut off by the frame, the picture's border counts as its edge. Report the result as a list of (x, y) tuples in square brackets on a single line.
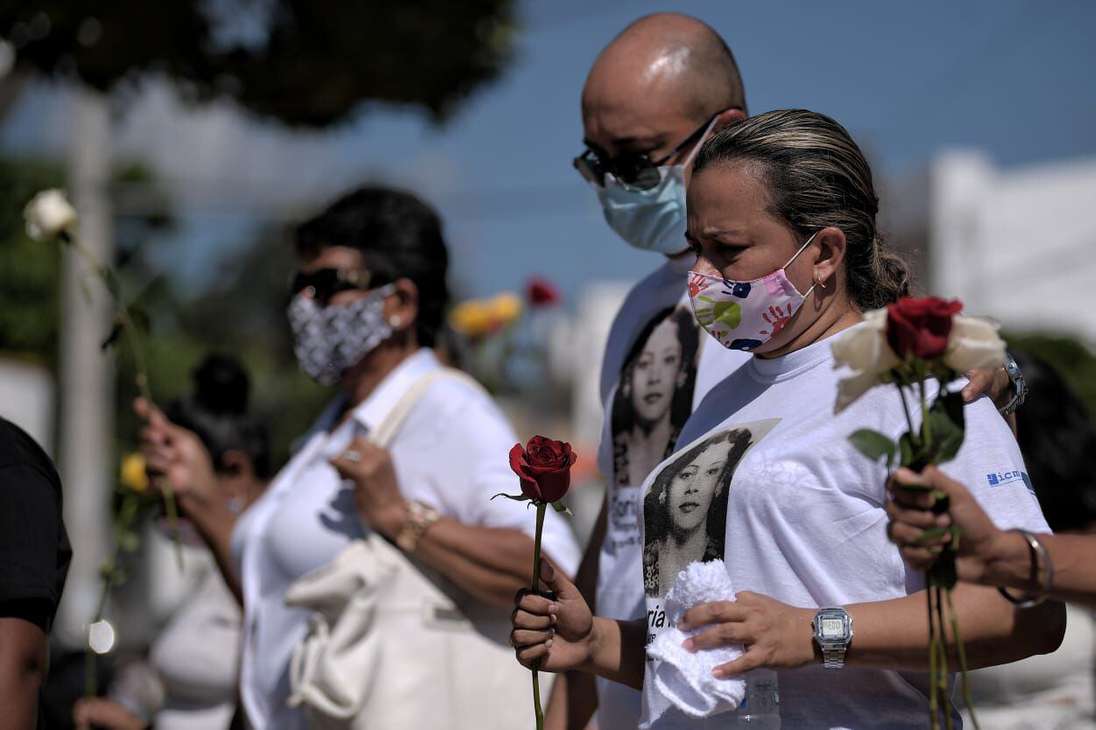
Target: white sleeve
[(479, 448), (991, 466)]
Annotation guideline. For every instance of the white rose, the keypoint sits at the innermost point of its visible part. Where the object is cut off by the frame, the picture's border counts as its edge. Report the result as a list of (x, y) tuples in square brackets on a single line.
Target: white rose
[(48, 215), (865, 351), (974, 345)]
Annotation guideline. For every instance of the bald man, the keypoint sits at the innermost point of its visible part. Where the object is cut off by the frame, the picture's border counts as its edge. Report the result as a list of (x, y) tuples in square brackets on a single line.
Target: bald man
[(653, 95)]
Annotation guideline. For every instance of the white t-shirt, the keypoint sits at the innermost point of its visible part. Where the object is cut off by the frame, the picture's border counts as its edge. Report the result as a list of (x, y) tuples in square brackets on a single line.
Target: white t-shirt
[(451, 453), (766, 478), (658, 365), (197, 658)]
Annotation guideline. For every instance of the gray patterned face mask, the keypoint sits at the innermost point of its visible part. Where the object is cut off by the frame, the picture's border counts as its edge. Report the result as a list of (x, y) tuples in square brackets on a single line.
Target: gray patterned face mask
[(330, 340)]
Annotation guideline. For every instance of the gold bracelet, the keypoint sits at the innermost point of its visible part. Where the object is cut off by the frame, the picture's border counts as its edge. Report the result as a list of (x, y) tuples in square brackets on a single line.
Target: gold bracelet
[(419, 517)]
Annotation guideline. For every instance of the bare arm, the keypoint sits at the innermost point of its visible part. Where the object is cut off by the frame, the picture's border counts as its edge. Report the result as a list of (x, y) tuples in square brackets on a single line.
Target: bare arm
[(177, 455), (1008, 564), (890, 634), (492, 564), (23, 666), (573, 701), (987, 555), (894, 634), (215, 522)]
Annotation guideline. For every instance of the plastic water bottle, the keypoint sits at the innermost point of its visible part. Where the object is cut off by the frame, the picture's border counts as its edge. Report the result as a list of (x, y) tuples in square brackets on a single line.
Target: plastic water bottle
[(760, 710)]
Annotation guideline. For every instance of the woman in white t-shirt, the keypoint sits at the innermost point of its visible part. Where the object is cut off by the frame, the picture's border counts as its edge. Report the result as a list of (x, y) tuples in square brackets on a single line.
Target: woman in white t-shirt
[(367, 303), (782, 214)]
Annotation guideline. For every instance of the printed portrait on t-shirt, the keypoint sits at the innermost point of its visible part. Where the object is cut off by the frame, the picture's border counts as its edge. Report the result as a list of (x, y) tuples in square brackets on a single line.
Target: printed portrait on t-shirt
[(685, 507), (655, 395)]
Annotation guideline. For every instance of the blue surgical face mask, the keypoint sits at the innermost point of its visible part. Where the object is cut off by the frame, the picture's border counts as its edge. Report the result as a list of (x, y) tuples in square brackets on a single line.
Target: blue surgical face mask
[(654, 219)]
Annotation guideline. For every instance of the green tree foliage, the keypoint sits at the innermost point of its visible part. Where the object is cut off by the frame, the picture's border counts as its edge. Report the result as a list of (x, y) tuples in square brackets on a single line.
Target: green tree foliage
[(29, 270), (302, 62)]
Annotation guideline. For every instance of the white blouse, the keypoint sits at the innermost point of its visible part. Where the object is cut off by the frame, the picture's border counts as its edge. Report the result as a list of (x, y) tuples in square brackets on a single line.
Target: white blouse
[(451, 452)]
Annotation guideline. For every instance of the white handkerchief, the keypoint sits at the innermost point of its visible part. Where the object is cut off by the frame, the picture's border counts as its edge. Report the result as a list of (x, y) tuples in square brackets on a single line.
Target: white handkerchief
[(682, 678)]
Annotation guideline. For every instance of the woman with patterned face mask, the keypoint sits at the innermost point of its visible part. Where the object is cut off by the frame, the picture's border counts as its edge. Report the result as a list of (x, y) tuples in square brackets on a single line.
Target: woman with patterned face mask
[(368, 302), (781, 211)]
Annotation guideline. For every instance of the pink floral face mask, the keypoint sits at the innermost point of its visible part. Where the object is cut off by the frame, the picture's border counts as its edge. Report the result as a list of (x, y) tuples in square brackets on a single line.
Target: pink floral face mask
[(743, 315)]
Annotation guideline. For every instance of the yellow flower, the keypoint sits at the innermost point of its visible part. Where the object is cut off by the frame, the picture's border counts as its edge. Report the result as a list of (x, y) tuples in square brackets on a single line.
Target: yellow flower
[(479, 317), (470, 318), (133, 475), (505, 308)]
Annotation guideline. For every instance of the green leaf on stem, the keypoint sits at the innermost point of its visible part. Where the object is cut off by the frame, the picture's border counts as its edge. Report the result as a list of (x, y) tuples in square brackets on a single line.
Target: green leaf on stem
[(138, 316), (116, 329), (129, 541), (561, 507), (873, 445), (910, 453), (515, 497), (933, 534), (947, 425)]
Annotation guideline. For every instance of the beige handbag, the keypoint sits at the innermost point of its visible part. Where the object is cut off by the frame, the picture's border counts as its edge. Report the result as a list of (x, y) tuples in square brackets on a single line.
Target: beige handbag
[(392, 645)]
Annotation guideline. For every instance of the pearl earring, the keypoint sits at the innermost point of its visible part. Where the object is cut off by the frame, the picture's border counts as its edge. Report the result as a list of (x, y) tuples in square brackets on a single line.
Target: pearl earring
[(394, 321)]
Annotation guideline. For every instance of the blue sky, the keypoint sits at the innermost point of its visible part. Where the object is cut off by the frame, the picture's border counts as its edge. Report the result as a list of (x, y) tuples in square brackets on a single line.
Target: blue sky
[(1008, 77)]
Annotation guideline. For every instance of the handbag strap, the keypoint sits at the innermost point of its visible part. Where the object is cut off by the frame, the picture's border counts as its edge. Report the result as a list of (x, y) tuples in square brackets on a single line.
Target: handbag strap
[(383, 434)]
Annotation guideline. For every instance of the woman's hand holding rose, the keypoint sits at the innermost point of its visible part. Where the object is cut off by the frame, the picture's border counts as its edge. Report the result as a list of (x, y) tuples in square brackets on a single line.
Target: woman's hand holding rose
[(553, 634)]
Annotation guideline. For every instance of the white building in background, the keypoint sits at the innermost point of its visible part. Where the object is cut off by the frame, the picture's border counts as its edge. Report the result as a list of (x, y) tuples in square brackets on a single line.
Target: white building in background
[(1017, 244)]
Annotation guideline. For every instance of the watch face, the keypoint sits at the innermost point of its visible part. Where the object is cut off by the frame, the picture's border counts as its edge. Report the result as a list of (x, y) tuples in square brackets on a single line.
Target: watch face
[(833, 628)]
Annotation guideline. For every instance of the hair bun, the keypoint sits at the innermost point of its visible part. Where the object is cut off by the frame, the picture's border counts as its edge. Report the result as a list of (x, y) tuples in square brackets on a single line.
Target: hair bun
[(221, 385)]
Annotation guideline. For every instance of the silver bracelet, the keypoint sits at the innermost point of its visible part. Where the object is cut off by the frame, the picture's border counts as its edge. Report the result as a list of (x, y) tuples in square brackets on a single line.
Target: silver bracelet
[(1019, 386), (1037, 553)]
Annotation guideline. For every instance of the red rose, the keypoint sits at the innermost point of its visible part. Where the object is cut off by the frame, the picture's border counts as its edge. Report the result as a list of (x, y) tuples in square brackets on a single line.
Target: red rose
[(920, 327), (541, 292), (544, 467)]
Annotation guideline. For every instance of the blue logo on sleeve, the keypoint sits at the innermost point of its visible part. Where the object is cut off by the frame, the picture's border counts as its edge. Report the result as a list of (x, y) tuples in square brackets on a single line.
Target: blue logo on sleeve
[(1001, 478)]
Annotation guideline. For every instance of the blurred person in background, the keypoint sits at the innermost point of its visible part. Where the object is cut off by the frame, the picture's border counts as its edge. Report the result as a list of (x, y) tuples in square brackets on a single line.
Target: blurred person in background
[(34, 561), (665, 84), (1058, 439), (367, 303), (189, 679)]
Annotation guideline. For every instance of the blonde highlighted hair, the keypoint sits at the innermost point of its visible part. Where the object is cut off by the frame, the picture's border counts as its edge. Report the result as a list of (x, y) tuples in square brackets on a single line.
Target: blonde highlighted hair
[(817, 177)]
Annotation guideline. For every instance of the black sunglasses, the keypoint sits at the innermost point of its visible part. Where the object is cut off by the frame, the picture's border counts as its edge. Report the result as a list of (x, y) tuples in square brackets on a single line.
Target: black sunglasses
[(633, 169), (326, 283)]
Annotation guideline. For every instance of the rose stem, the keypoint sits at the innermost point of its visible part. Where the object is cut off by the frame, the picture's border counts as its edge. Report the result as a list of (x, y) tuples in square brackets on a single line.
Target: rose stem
[(125, 518), (541, 508), (905, 406), (926, 427), (962, 652), (943, 641), (113, 287), (933, 702)]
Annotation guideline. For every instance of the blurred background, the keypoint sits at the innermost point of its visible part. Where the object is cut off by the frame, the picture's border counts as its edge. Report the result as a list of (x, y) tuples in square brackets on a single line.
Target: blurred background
[(190, 134)]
